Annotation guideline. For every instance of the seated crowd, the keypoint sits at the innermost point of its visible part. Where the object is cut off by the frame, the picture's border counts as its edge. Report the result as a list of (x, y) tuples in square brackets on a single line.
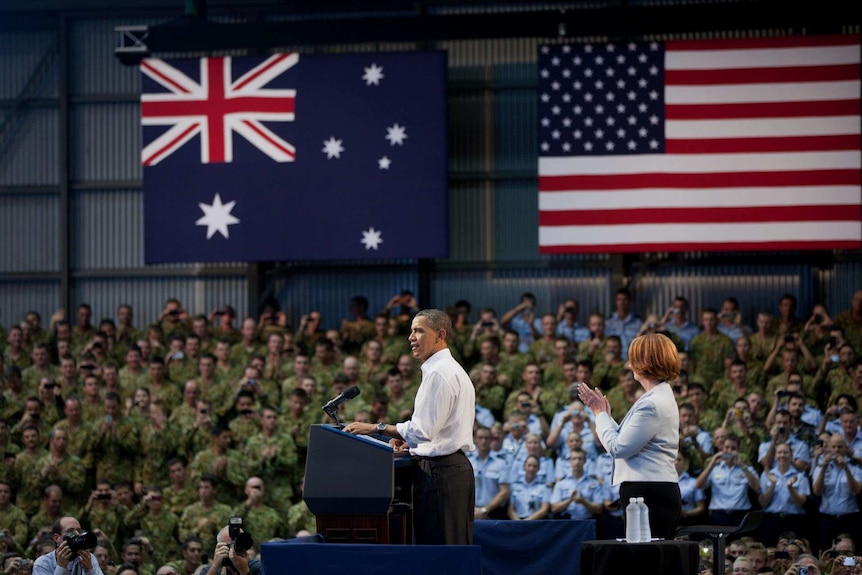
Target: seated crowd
[(155, 437)]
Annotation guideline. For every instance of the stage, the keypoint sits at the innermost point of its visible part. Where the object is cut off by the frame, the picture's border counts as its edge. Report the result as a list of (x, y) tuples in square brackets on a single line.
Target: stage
[(500, 548)]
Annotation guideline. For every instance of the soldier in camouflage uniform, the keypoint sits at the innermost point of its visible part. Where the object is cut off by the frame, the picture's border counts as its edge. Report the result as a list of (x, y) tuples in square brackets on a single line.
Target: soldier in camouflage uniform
[(204, 518), (52, 508), (184, 415), (162, 387), (224, 462), (79, 433), (157, 524), (134, 374), (181, 492), (299, 517), (117, 444), (180, 366), (191, 552), (272, 457), (101, 513), (61, 468), (13, 521), (25, 471), (261, 521), (41, 368), (158, 442), (246, 423), (709, 349), (198, 437), (297, 421)]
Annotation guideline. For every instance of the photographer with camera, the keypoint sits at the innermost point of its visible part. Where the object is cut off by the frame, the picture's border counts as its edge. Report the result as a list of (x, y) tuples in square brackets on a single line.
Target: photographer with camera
[(231, 552), (72, 551)]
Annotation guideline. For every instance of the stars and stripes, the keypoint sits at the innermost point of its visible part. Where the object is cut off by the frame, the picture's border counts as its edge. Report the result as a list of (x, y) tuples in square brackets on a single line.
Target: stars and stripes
[(700, 145)]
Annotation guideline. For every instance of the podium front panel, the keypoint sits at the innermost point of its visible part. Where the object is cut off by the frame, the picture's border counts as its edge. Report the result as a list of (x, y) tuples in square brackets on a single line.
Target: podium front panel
[(347, 474)]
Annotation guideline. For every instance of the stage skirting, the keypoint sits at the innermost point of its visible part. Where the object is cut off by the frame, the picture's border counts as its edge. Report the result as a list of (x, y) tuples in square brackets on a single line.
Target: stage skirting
[(333, 558), (532, 547), (500, 548)]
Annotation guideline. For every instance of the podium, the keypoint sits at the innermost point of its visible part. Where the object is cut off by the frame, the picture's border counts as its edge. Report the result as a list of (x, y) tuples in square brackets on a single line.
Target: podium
[(358, 488)]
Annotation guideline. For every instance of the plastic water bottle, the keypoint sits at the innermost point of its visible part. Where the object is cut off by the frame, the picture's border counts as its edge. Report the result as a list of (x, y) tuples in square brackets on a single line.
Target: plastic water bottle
[(646, 535), (633, 521)]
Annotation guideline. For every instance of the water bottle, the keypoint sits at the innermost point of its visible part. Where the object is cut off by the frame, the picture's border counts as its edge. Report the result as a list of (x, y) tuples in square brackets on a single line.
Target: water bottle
[(633, 521), (646, 535)]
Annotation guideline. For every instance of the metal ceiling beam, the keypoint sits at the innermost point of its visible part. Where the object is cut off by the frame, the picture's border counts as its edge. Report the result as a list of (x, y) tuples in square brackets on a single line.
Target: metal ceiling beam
[(612, 22)]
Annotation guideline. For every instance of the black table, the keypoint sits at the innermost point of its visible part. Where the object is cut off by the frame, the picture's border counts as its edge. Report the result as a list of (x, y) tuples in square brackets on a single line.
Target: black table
[(621, 558)]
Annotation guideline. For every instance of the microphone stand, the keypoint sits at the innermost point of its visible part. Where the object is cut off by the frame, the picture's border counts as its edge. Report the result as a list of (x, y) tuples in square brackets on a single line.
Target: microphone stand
[(332, 412)]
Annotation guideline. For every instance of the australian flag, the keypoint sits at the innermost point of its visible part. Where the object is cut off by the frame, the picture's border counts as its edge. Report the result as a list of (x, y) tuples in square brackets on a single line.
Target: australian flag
[(295, 157)]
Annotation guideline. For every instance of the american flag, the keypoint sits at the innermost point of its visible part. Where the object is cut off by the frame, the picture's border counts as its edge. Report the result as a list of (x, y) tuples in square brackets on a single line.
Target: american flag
[(700, 146)]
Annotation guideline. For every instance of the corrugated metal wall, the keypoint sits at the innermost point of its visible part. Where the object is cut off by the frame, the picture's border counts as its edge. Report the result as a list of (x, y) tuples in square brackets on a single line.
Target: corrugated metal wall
[(708, 286), (493, 204)]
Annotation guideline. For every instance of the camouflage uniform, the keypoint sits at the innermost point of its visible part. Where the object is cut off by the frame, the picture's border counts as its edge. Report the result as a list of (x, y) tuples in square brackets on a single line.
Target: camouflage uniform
[(169, 392), (130, 381), (180, 371), (105, 518), (708, 354), (242, 430), (117, 453), (28, 487), (280, 473), (68, 473), (23, 361), (204, 524), (241, 355), (156, 447), (30, 377), (161, 530), (299, 517), (176, 500), (15, 521), (264, 523), (80, 439), (231, 479)]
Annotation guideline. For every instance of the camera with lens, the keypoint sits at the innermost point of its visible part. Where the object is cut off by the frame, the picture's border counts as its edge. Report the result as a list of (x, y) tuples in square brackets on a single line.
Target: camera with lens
[(85, 540), (240, 541)]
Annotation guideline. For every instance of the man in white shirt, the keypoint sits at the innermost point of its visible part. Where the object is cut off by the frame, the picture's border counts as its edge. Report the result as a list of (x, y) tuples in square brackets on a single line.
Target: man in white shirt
[(438, 435)]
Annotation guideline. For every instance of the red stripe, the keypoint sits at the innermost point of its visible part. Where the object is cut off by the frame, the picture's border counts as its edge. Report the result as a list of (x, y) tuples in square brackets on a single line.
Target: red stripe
[(739, 145), (762, 110), (760, 43), (165, 79), (266, 137), (703, 247), (707, 180), (214, 110), (831, 73), (224, 106), (261, 71), (169, 146), (701, 215)]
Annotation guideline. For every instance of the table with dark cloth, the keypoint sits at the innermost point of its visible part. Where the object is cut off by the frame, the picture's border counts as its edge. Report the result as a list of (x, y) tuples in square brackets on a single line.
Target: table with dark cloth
[(659, 557)]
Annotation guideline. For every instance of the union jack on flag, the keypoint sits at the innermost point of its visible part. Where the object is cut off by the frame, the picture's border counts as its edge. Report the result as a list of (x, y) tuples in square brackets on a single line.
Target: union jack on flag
[(217, 106)]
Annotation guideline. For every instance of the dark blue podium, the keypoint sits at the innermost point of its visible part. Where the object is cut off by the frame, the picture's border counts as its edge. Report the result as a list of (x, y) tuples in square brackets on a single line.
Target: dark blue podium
[(357, 487)]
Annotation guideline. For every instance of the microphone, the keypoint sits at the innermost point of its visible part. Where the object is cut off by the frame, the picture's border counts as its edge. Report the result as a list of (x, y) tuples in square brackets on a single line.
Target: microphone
[(345, 395)]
